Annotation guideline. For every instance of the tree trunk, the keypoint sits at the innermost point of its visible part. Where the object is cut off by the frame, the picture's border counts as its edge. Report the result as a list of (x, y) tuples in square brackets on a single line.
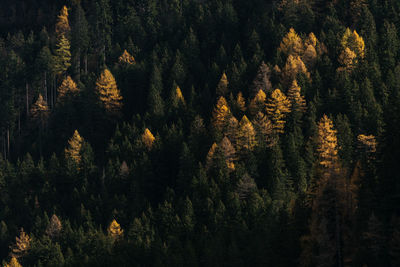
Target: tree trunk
[(45, 86), (27, 99), (8, 141), (86, 63)]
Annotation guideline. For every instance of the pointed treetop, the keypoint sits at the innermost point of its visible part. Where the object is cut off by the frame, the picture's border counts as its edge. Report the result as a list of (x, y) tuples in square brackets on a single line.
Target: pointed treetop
[(54, 228), (62, 24), (277, 107), (222, 88), (311, 40), (354, 42), (126, 58), (295, 97), (241, 102), (229, 152), (179, 94), (291, 44), (220, 114), (13, 263), (115, 230), (39, 108), (108, 92), (22, 245), (246, 136), (327, 142), (210, 155), (74, 147), (262, 79), (68, 86), (148, 138)]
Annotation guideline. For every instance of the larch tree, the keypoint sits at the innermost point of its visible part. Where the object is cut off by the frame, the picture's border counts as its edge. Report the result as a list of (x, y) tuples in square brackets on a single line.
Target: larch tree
[(264, 129), (62, 24), (246, 136), (54, 228), (108, 92), (354, 42), (148, 138), (221, 114), (231, 129), (310, 57), (73, 152), (126, 58), (277, 107), (291, 44), (293, 66), (327, 143), (40, 110), (262, 80), (177, 97), (210, 155), (240, 102), (222, 87), (62, 57), (115, 231), (258, 102), (229, 152), (67, 87), (21, 246), (297, 100), (13, 263), (347, 60)]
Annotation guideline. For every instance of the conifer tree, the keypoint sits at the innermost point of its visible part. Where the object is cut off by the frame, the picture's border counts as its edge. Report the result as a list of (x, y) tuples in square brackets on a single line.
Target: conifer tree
[(354, 42), (126, 58), (262, 80), (115, 230), (221, 114), (210, 155), (62, 57), (67, 87), (177, 97), (108, 92), (277, 107), (327, 142), (13, 263), (293, 66), (240, 102), (54, 228), (347, 59), (229, 152), (246, 136), (264, 129), (222, 87), (62, 24), (148, 138), (21, 246), (297, 100), (291, 44), (40, 110), (231, 129), (73, 152), (257, 104), (310, 57)]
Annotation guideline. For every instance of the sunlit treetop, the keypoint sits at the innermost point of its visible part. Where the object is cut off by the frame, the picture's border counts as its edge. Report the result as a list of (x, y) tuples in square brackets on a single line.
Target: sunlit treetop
[(62, 24), (291, 44), (74, 147), (327, 142), (127, 58), (115, 230), (148, 138)]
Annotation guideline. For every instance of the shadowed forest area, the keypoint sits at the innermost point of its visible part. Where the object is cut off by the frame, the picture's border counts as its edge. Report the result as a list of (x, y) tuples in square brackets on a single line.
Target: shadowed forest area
[(199, 133)]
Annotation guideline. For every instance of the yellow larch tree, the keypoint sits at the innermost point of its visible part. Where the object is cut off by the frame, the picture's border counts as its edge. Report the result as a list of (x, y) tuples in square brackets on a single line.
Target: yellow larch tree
[(297, 100), (220, 114), (62, 24), (21, 246), (264, 129), (108, 92), (311, 40), (73, 152), (231, 129), (115, 230), (291, 44), (347, 59), (177, 97), (126, 58), (258, 102), (67, 87), (246, 135), (13, 263), (148, 138), (40, 109), (54, 228), (310, 56), (241, 102), (354, 42), (222, 88), (210, 155), (293, 66), (327, 143), (277, 107), (367, 143)]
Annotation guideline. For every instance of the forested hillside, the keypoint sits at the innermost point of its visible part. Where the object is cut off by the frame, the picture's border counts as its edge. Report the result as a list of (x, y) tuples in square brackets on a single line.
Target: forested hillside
[(199, 133)]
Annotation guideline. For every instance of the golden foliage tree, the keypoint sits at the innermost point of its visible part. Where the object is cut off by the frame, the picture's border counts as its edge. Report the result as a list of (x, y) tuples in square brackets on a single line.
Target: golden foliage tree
[(177, 97), (68, 86), (297, 100), (327, 143), (277, 107), (21, 246), (354, 42), (241, 102), (264, 129), (310, 56), (126, 58), (258, 102), (108, 92), (293, 66), (40, 109), (148, 138), (367, 143), (222, 88), (115, 230), (291, 44), (220, 114), (347, 59), (13, 263), (210, 155), (246, 135), (54, 228), (62, 24), (62, 57), (231, 129), (73, 152)]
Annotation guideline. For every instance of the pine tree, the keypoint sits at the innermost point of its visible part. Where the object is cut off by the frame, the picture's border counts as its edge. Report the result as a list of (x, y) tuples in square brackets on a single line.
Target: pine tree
[(126, 58), (221, 114), (277, 107), (54, 228), (62, 57), (257, 104), (291, 44), (246, 136), (13, 263), (246, 186), (327, 142), (73, 152), (67, 87), (62, 24), (21, 246), (148, 138), (297, 100), (108, 92), (222, 87), (115, 230)]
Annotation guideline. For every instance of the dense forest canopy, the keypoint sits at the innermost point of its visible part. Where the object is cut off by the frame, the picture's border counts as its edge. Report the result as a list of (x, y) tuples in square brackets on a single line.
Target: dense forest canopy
[(199, 133)]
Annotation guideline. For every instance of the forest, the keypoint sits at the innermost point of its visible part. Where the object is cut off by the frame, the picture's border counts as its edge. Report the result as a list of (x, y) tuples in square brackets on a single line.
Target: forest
[(199, 133)]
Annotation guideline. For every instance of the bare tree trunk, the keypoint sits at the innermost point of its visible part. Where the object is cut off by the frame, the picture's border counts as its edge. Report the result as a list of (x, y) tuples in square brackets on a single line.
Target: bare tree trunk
[(45, 86), (8, 141), (27, 99)]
